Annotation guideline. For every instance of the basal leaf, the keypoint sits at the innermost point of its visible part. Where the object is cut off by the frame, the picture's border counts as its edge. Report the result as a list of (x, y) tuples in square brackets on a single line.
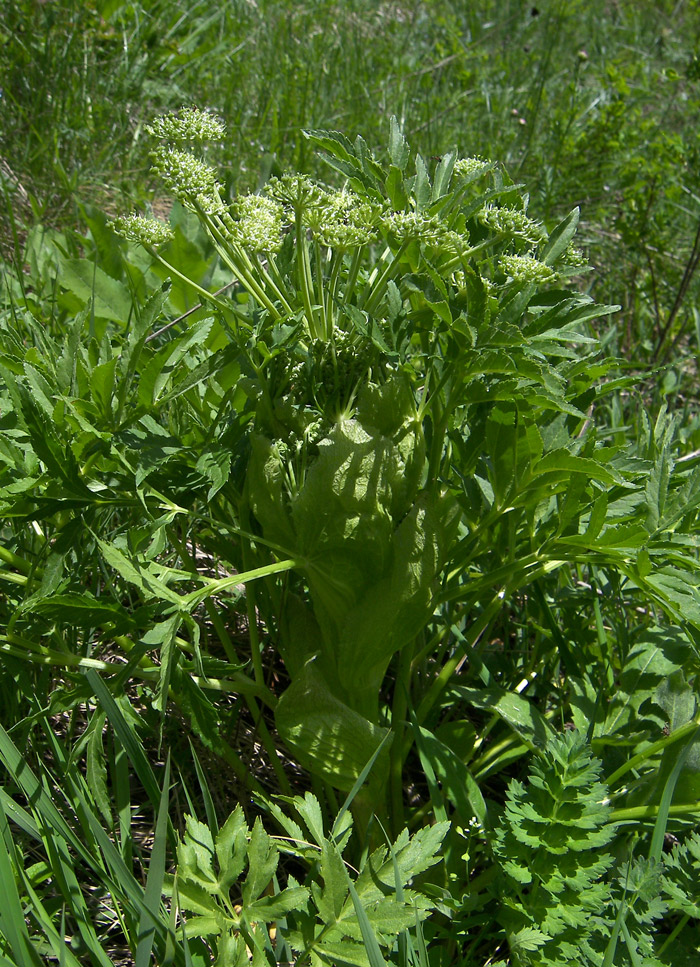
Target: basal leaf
[(86, 280), (327, 736)]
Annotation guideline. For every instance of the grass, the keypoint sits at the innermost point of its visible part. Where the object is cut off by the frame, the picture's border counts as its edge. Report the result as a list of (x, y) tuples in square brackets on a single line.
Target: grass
[(141, 681)]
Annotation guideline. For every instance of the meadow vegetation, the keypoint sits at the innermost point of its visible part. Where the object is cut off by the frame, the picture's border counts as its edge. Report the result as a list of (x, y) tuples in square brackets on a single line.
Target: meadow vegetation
[(349, 483)]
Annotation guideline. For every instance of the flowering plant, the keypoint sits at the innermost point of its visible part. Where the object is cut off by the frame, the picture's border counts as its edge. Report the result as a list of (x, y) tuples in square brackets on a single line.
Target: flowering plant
[(400, 339)]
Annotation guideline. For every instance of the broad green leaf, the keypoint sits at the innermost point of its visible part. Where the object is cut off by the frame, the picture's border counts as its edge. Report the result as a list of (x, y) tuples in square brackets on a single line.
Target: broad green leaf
[(86, 280), (513, 709), (327, 736), (422, 189), (102, 385), (443, 174)]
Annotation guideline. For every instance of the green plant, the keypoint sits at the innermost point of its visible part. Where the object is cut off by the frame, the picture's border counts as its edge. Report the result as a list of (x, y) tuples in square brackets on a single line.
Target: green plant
[(370, 505), (327, 918), (571, 887)]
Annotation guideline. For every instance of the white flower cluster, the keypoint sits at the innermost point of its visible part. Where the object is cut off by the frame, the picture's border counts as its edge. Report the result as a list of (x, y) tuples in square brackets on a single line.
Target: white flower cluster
[(139, 228), (525, 268), (512, 221), (189, 124), (257, 223), (192, 181)]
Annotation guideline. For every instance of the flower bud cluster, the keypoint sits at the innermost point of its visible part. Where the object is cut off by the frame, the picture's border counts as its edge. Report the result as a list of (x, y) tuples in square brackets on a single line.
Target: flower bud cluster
[(526, 269), (140, 228), (574, 257), (191, 181), (295, 191), (189, 124), (512, 221), (341, 220), (471, 167), (256, 224)]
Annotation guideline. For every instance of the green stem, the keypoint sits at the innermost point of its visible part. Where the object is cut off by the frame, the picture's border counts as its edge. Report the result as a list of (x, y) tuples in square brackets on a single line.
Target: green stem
[(352, 274), (633, 813), (378, 288), (320, 294), (27, 650), (14, 560), (399, 714), (672, 936), (448, 669), (207, 296), (305, 280), (333, 290), (215, 586), (680, 733)]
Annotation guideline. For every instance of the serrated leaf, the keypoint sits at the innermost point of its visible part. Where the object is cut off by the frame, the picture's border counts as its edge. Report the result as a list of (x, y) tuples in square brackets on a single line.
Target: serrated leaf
[(81, 610), (231, 848), (422, 189), (399, 151), (269, 908), (263, 858), (131, 572), (215, 466), (95, 768), (162, 636)]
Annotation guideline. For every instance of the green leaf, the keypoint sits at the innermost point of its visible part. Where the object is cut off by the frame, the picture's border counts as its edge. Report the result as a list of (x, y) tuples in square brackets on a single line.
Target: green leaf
[(327, 736), (80, 609), (89, 283), (231, 848), (155, 878), (519, 714), (12, 922), (95, 769), (560, 238), (263, 858), (215, 466), (332, 900), (399, 151), (132, 572), (374, 954), (162, 635)]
